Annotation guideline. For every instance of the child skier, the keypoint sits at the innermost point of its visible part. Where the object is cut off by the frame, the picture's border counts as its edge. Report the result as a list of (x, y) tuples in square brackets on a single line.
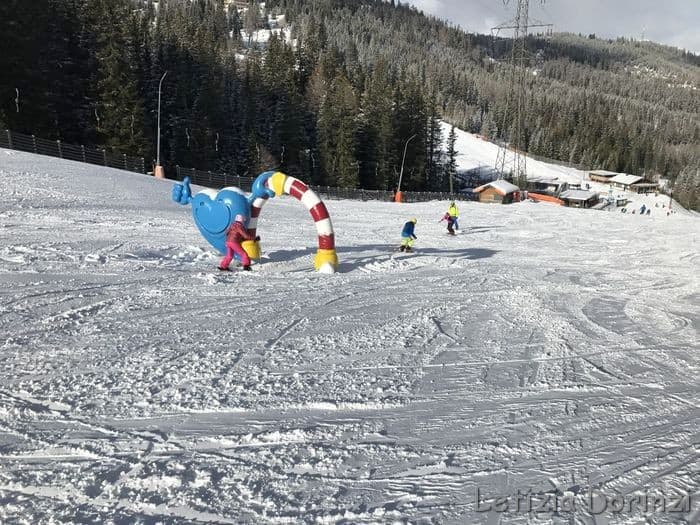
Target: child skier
[(450, 222), (407, 235), (454, 213), (235, 234)]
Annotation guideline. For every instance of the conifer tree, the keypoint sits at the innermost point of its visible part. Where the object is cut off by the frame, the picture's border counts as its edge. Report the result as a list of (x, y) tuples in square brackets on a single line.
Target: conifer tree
[(23, 88), (435, 180), (338, 128), (376, 134), (410, 118), (451, 162), (118, 100)]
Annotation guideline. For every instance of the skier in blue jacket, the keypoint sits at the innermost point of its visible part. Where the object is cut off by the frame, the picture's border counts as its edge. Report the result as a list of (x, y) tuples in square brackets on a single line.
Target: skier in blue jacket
[(407, 235)]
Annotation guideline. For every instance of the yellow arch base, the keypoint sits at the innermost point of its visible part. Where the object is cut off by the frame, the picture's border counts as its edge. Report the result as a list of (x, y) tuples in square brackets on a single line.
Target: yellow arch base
[(252, 248), (326, 260)]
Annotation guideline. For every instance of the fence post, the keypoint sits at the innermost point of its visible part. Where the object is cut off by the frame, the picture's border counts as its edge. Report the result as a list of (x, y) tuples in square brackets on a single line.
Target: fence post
[(124, 158), (9, 138), (34, 143), (104, 156), (60, 151), (143, 165), (82, 149)]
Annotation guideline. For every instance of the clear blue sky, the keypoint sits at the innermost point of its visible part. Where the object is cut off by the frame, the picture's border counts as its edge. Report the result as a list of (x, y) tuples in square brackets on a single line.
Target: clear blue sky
[(672, 22)]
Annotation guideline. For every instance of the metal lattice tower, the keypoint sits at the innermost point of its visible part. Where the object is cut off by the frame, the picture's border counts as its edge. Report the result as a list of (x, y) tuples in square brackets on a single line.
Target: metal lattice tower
[(512, 160)]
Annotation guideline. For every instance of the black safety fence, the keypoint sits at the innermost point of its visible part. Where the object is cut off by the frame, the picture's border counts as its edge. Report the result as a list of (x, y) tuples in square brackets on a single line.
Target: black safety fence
[(220, 180), (57, 148), (211, 179)]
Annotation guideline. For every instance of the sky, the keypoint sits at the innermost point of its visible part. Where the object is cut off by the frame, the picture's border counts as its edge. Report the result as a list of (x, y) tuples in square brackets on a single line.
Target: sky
[(671, 22)]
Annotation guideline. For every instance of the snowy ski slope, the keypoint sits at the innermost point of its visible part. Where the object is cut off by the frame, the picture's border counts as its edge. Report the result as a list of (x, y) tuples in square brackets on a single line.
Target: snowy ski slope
[(542, 349)]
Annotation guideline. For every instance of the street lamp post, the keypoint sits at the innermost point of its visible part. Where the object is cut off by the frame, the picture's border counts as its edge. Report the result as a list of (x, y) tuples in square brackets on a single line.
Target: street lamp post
[(403, 160), (159, 172)]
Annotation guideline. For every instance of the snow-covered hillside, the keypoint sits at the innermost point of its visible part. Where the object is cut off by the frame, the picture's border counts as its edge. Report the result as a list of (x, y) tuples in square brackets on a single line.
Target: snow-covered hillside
[(542, 349), (474, 151)]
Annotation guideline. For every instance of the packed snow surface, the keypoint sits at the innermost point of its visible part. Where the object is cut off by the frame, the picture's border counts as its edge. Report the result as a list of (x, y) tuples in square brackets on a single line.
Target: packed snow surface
[(542, 350)]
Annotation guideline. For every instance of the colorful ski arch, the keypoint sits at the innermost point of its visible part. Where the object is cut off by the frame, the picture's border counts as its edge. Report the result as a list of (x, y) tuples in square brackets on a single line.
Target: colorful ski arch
[(276, 183), (213, 213)]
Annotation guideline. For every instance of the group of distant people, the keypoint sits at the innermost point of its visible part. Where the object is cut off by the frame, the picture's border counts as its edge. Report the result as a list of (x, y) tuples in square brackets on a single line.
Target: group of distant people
[(646, 210), (408, 235), (642, 211)]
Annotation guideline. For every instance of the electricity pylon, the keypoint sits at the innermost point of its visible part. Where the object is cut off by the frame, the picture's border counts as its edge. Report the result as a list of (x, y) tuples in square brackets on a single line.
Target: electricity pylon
[(512, 159)]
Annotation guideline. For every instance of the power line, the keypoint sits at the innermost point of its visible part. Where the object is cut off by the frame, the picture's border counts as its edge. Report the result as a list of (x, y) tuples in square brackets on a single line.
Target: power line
[(511, 161)]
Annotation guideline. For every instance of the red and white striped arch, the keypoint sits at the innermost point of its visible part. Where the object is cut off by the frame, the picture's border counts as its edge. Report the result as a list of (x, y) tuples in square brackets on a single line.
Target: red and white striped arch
[(326, 259)]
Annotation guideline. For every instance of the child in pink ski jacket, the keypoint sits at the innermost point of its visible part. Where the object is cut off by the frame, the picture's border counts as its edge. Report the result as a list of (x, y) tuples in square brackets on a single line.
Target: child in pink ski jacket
[(236, 234), (450, 223)]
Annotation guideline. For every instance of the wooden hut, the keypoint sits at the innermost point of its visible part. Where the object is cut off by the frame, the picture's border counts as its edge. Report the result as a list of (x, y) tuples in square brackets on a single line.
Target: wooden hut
[(645, 187), (601, 175), (498, 191), (579, 198), (624, 181), (546, 186)]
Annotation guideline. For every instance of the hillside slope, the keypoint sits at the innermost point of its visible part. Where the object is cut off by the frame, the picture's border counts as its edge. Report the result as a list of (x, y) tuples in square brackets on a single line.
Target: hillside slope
[(620, 105)]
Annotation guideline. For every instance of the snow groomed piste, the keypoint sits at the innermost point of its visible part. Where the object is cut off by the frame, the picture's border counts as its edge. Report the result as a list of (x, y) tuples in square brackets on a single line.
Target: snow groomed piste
[(523, 357), (214, 212)]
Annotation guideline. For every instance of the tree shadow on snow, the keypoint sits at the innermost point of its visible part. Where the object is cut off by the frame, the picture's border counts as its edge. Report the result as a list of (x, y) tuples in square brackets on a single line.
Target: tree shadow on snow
[(343, 253), (392, 249), (348, 260), (465, 253), (466, 230), (288, 255)]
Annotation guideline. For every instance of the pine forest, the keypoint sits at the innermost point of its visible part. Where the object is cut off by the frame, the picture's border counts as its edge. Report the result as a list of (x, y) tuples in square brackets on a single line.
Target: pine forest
[(336, 90)]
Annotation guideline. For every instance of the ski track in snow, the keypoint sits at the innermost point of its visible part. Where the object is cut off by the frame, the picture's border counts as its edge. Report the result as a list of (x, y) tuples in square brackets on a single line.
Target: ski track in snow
[(542, 349)]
